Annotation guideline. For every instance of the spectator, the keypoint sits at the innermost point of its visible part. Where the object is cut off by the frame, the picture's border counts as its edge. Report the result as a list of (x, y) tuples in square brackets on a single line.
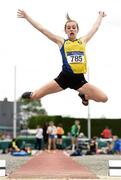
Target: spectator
[(60, 132), (92, 146), (69, 134), (109, 147), (81, 135), (13, 146), (75, 130), (117, 145), (39, 138), (52, 132), (106, 133), (45, 135)]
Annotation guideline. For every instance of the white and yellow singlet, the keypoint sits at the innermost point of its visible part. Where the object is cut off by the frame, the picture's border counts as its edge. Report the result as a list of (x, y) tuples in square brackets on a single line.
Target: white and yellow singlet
[(74, 56)]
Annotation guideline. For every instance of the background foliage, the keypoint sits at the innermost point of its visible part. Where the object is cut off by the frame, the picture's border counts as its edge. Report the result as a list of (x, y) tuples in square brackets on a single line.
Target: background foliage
[(97, 125)]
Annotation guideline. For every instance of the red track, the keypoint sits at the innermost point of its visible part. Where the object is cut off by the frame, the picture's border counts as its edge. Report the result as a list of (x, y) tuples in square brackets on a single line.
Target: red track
[(52, 165)]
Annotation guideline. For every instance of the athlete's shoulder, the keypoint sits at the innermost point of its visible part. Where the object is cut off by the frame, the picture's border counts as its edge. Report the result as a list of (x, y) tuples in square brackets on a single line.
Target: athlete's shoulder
[(81, 40), (65, 43)]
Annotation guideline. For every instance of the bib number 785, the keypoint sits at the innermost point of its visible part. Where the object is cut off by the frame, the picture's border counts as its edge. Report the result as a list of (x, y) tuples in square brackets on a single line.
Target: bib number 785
[(76, 59)]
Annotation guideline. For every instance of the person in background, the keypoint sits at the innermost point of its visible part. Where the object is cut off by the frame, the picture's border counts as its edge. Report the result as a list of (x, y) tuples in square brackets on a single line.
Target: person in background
[(52, 132), (60, 132), (69, 134), (13, 146), (106, 133), (75, 130), (116, 145), (110, 147), (45, 135), (39, 137), (93, 146)]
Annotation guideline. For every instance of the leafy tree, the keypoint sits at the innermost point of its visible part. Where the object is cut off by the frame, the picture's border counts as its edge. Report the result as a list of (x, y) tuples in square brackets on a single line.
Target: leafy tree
[(29, 108)]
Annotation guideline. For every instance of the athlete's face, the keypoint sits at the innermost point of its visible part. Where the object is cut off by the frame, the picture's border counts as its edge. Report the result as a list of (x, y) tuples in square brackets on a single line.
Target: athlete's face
[(71, 30)]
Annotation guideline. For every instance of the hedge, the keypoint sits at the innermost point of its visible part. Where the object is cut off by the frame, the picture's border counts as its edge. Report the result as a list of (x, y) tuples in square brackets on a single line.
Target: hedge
[(97, 125)]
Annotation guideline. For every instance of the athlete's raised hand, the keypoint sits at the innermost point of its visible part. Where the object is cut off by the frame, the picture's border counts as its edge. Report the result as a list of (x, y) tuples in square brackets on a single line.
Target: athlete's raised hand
[(57, 39), (21, 14), (102, 13), (95, 27)]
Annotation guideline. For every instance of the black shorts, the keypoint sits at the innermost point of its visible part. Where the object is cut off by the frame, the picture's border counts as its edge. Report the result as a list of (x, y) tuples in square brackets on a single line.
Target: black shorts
[(68, 80), (59, 136)]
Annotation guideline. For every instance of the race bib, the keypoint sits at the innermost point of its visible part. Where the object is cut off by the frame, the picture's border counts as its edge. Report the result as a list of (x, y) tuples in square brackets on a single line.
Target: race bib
[(75, 57)]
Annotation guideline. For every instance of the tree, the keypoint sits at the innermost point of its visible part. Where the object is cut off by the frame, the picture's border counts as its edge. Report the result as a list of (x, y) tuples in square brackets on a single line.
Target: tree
[(30, 108)]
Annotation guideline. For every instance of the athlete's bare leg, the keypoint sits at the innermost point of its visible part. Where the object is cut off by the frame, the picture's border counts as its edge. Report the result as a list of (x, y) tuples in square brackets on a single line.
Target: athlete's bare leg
[(49, 88), (93, 93)]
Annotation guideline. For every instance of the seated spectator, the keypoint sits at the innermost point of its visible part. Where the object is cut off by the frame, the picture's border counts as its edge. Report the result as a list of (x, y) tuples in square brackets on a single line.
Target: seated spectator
[(92, 146), (69, 134), (106, 133), (81, 135), (23, 152), (109, 147), (117, 145), (13, 146)]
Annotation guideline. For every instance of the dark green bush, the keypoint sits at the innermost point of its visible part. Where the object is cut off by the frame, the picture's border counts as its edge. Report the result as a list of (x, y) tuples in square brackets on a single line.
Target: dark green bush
[(97, 125)]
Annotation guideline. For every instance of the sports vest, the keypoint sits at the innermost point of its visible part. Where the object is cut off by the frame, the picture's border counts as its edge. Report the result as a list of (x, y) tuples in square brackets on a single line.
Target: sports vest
[(74, 56)]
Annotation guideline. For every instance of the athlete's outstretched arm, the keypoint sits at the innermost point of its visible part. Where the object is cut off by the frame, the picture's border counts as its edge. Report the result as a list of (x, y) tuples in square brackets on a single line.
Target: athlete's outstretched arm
[(95, 27), (57, 39)]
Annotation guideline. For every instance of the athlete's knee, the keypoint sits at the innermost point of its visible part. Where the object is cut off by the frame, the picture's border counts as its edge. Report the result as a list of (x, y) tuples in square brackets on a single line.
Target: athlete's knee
[(104, 98), (34, 96)]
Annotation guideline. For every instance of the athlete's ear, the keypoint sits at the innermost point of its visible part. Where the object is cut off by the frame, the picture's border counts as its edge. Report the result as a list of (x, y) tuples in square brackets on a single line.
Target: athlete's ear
[(65, 31), (77, 29)]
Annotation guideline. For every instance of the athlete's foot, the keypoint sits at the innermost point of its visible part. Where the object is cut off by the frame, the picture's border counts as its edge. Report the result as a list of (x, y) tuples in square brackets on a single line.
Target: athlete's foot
[(85, 102), (26, 95)]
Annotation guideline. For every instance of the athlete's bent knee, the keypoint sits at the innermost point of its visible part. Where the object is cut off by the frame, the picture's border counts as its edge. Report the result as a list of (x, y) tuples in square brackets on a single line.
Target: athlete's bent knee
[(34, 96), (104, 99)]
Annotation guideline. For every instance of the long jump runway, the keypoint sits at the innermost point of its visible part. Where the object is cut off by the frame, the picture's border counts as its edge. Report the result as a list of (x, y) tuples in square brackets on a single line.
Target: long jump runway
[(50, 165)]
